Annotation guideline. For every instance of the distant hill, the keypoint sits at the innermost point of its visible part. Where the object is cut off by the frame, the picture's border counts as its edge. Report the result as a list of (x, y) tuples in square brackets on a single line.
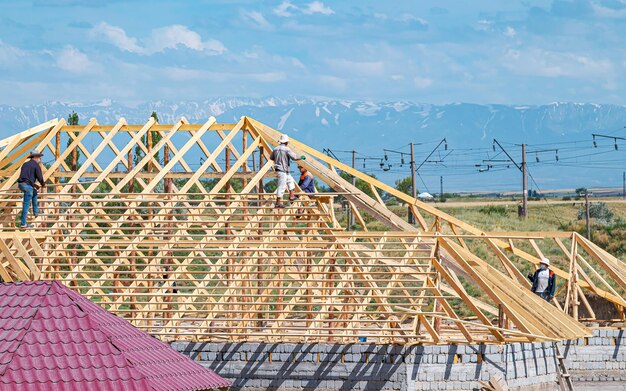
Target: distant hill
[(369, 127)]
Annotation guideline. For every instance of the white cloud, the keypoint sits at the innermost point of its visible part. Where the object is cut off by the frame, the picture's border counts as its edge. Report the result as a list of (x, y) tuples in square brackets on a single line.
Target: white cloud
[(168, 37), (171, 37), (381, 16), (116, 36), (539, 62), (73, 60), (9, 54), (484, 25), (287, 9), (397, 77), (510, 32), (422, 82), (405, 18), (317, 7), (410, 18), (257, 19), (610, 12)]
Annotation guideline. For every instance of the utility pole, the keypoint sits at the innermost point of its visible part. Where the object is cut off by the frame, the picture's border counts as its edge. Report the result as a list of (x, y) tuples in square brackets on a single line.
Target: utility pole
[(413, 183), (441, 188), (587, 215), (523, 211), (524, 184), (350, 214)]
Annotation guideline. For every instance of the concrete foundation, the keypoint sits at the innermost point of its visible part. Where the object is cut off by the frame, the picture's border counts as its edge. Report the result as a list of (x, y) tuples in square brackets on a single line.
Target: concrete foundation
[(524, 366)]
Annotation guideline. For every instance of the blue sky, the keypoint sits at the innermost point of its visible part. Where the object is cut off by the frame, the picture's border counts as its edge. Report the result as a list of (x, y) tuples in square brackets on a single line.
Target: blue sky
[(529, 52)]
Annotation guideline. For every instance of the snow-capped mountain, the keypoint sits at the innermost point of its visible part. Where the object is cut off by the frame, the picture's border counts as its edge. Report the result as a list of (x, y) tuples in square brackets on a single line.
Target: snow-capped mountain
[(365, 126), (344, 122)]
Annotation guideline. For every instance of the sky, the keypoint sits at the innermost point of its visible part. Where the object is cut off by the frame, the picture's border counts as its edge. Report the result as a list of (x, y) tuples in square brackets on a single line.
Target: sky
[(484, 51)]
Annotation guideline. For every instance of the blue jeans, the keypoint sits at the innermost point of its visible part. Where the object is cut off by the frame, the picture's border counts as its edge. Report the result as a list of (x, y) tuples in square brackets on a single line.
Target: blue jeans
[(543, 295), (30, 196)]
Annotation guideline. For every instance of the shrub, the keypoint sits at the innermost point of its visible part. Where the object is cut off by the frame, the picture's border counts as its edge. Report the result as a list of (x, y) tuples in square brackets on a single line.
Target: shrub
[(566, 198), (392, 201), (599, 211), (494, 210)]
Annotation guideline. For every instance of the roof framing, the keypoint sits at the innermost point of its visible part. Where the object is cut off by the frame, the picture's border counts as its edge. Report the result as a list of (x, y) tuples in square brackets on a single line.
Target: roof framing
[(170, 226)]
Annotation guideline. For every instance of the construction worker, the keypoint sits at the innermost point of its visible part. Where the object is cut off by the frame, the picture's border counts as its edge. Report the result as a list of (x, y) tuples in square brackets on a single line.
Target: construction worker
[(544, 280), (306, 182), (30, 174), (282, 156)]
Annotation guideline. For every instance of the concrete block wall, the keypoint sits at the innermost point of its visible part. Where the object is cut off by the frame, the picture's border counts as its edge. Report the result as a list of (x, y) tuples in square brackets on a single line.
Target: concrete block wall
[(600, 358), (460, 367), (261, 366)]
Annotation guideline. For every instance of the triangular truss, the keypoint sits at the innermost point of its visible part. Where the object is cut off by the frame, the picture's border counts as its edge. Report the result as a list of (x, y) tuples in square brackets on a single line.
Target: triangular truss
[(173, 227)]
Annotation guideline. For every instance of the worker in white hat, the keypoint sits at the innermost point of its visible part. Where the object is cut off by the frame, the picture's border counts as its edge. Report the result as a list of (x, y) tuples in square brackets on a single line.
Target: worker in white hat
[(31, 178), (544, 280), (282, 156)]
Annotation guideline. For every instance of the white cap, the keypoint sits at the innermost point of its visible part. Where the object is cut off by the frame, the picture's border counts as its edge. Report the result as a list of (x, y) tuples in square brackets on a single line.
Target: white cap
[(545, 261), (283, 139)]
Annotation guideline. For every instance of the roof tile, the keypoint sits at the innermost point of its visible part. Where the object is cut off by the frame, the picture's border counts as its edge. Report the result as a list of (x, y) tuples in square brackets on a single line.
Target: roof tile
[(52, 338)]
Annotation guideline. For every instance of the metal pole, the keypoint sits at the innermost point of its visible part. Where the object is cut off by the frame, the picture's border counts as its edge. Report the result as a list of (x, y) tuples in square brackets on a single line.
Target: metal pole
[(413, 183), (350, 214), (441, 188), (587, 215), (524, 184)]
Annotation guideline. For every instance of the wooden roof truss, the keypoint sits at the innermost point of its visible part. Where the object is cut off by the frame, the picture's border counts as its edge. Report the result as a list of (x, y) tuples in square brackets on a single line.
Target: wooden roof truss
[(171, 227)]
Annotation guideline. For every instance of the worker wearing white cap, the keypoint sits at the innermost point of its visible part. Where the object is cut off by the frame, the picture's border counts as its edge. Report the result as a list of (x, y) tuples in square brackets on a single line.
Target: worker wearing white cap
[(282, 156), (544, 280)]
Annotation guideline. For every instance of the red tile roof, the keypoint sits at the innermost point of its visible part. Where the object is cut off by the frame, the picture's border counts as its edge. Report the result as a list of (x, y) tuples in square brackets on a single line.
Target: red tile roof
[(52, 338)]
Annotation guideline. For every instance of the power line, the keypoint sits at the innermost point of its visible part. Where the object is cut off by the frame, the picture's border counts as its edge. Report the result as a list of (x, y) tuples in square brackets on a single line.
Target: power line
[(544, 198)]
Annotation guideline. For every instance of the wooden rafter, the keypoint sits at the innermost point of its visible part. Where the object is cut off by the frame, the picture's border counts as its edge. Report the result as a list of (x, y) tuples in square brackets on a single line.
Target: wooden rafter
[(212, 258)]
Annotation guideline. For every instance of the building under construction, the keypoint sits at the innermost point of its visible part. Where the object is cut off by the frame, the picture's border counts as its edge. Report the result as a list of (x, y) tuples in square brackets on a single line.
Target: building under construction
[(173, 227)]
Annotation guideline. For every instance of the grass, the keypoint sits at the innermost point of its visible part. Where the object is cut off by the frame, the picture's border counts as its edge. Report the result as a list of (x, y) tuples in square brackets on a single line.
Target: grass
[(541, 216)]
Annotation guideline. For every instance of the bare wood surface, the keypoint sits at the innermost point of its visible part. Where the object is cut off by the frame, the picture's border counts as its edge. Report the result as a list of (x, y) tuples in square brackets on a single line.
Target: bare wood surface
[(185, 247)]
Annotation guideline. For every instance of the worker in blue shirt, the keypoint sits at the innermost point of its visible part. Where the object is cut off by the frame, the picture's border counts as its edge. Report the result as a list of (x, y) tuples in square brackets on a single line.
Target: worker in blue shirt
[(30, 174), (306, 182), (544, 280)]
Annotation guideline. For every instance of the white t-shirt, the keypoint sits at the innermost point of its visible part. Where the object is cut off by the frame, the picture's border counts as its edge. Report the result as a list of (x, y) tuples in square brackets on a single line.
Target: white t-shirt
[(542, 283)]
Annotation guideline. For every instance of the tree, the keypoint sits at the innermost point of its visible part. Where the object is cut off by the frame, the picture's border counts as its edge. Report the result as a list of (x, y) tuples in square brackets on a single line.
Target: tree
[(72, 119), (581, 191), (156, 137), (270, 186), (405, 185), (360, 184)]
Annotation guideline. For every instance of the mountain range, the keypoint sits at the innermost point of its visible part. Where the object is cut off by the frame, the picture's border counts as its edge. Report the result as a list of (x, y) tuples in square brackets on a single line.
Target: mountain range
[(470, 162)]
